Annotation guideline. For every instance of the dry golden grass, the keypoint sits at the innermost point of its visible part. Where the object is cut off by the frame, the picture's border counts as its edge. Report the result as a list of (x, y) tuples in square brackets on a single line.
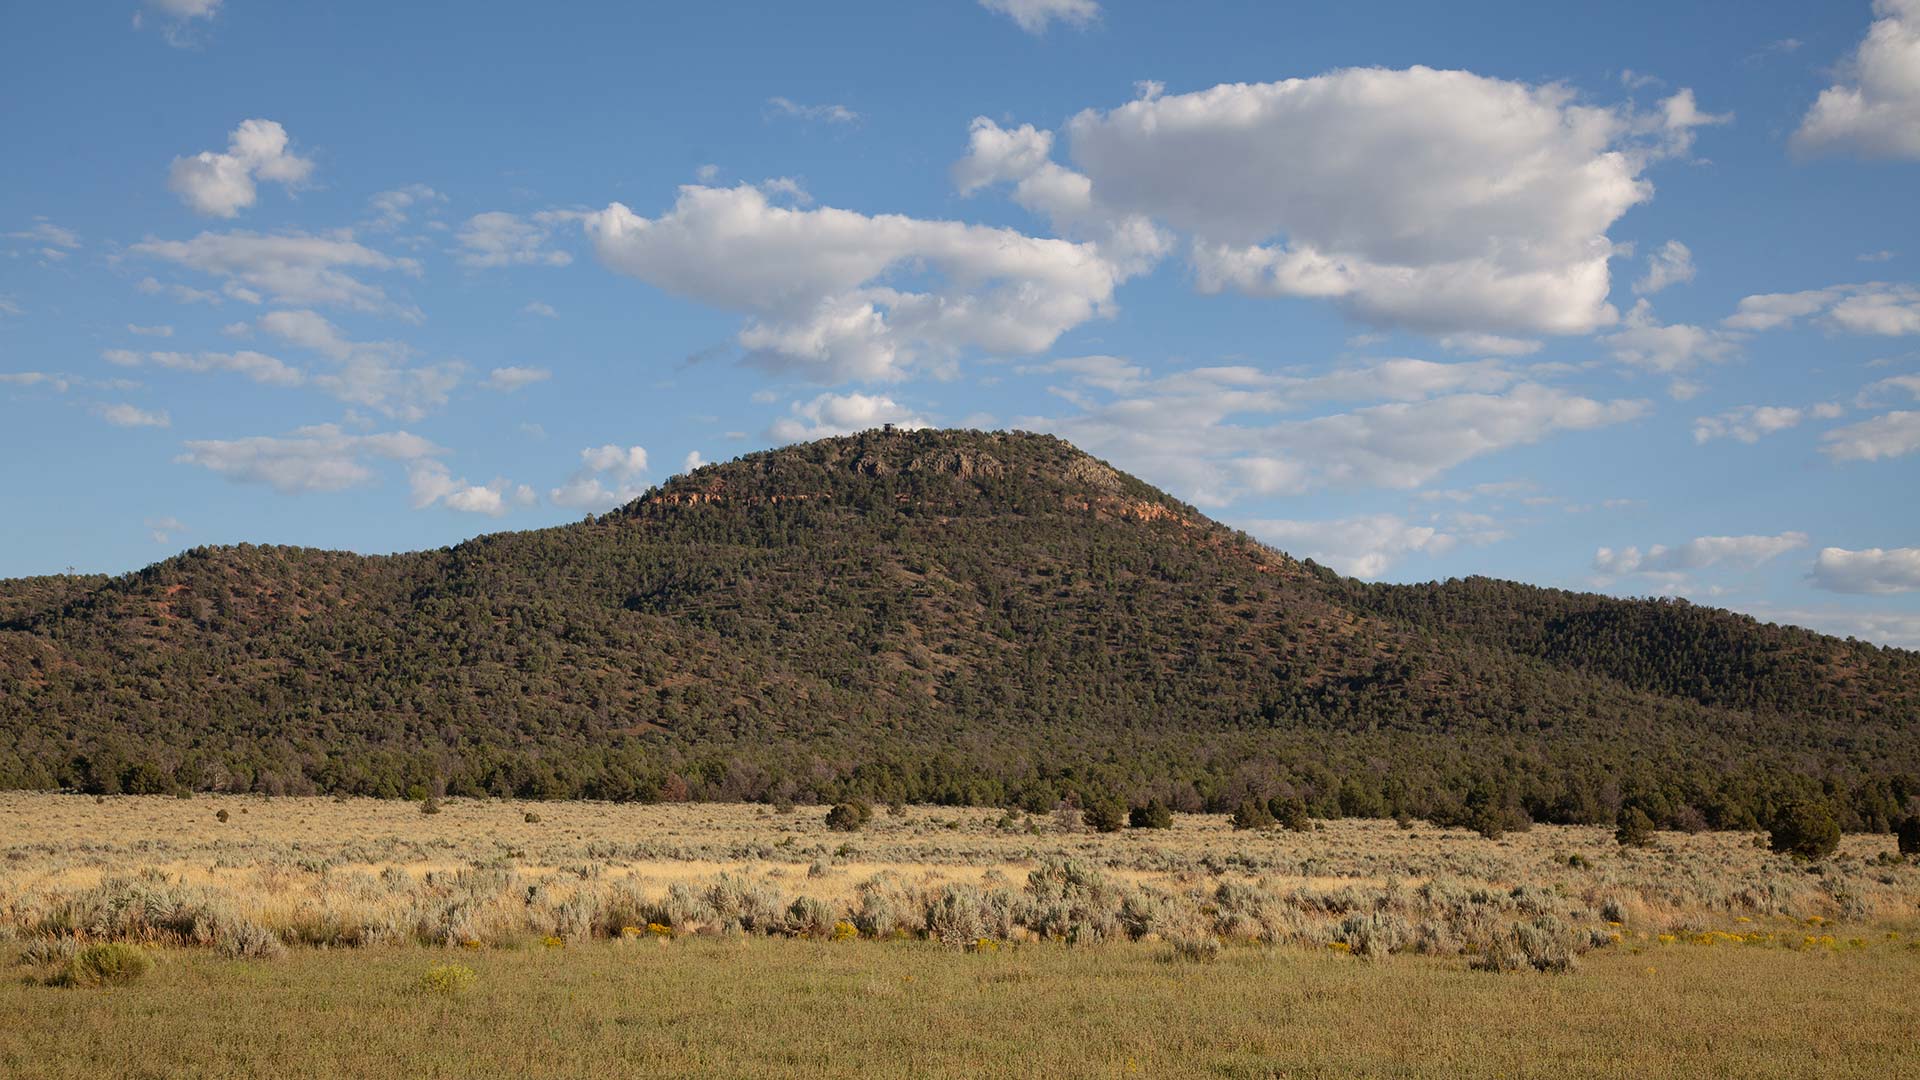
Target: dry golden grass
[(609, 940)]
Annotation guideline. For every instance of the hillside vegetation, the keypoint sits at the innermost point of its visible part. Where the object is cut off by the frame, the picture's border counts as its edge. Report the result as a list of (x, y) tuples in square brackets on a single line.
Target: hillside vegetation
[(935, 616)]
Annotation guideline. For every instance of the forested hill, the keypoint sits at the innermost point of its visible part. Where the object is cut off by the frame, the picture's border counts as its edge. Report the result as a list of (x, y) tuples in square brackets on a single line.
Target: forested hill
[(935, 615)]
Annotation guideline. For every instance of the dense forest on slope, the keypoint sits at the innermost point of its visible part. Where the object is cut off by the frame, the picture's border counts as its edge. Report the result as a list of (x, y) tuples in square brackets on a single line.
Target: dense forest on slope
[(934, 616)]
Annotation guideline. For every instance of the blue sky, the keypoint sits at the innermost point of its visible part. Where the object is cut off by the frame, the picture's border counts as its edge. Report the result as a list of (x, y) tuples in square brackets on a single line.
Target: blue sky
[(1621, 300)]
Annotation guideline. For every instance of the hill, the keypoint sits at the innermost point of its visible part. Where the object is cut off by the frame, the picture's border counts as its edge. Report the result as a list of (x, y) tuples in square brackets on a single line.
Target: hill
[(938, 616)]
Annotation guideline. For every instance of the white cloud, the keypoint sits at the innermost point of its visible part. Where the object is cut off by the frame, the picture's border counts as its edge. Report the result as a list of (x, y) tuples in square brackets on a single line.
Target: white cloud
[(1489, 345), (50, 242), (1875, 112), (59, 384), (259, 367), (1890, 435), (1749, 423), (1442, 201), (692, 461), (788, 187), (130, 416), (841, 414), (1364, 547), (1668, 349), (1207, 433), (177, 18), (608, 476), (222, 184), (150, 331), (162, 529), (832, 114), (1671, 265), (1897, 629), (1880, 256), (1874, 571), (814, 283), (292, 268), (497, 238), (1699, 553), (431, 484), (540, 308), (370, 373), (1034, 16), (509, 379), (318, 458), (393, 208)]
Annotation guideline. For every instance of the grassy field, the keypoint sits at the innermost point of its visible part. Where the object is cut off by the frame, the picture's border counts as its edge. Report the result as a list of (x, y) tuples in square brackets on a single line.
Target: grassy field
[(297, 937), (771, 1007)]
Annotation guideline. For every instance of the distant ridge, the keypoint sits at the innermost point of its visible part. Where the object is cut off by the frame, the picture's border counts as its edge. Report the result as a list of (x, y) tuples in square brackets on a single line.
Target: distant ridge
[(948, 616)]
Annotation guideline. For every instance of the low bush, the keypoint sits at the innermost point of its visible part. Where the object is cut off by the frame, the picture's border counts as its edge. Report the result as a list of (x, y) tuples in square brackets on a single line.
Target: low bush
[(1252, 814), (849, 816), (110, 963), (448, 979)]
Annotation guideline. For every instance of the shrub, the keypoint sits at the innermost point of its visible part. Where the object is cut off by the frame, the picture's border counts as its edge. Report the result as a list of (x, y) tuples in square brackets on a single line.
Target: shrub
[(446, 979), (811, 917), (1154, 815), (1290, 813), (110, 963), (849, 816), (1907, 829), (1199, 948), (431, 806), (1636, 828), (531, 818), (221, 815), (1805, 830), (1105, 815), (1252, 814)]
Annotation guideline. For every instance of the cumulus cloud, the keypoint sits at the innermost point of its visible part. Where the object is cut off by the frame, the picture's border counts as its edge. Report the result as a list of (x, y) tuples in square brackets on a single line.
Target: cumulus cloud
[(290, 268), (841, 414), (509, 379), (319, 458), (1442, 201), (692, 461), (393, 208), (1890, 435), (1671, 265), (497, 238), (1699, 553), (1873, 571), (833, 294), (1366, 546), (1034, 16), (376, 374), (222, 184), (1877, 308), (258, 367), (1749, 423), (124, 415), (1875, 111), (540, 308), (431, 484), (1646, 343), (608, 476)]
